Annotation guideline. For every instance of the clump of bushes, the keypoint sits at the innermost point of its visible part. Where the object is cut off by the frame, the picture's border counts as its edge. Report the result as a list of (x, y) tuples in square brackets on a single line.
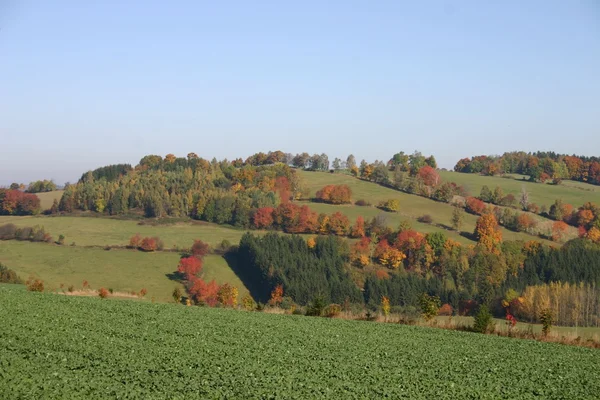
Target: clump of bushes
[(103, 293), (362, 203), (332, 310), (8, 275), (146, 244), (334, 194), (35, 285), (391, 205), (26, 233), (426, 219)]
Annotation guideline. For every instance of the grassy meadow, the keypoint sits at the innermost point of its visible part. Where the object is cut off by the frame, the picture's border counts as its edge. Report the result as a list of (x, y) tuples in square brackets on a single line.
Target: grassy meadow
[(47, 198), (92, 231), (574, 193), (121, 270), (411, 206)]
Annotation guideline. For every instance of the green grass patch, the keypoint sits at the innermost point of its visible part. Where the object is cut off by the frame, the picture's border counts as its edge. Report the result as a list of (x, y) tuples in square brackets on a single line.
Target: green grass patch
[(121, 270), (67, 347), (575, 193), (47, 198)]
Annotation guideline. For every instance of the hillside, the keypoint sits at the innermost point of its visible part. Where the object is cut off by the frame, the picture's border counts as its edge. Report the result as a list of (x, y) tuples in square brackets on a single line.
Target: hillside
[(121, 270), (411, 206), (572, 192), (144, 350)]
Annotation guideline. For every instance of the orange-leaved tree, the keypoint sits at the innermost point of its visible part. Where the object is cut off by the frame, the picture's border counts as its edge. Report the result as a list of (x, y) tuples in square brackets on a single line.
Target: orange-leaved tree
[(488, 233)]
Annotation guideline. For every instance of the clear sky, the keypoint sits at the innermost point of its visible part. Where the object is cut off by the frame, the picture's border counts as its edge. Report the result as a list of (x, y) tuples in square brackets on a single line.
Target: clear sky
[(90, 83)]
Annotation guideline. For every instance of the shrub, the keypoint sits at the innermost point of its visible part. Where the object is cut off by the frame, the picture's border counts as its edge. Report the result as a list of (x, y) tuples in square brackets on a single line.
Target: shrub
[(143, 292), (61, 239), (332, 310), (176, 295), (25, 233), (362, 203), (546, 318), (483, 320), (8, 275), (475, 206), (429, 306), (334, 194), (103, 293), (391, 205), (446, 310), (248, 303), (8, 231), (316, 307), (426, 219), (71, 288), (35, 285), (199, 249), (135, 241), (151, 244)]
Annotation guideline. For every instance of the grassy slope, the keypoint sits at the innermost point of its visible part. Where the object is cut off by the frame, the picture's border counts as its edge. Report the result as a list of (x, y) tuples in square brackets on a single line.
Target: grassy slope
[(87, 231), (91, 348), (575, 193), (47, 198), (122, 270), (411, 206)]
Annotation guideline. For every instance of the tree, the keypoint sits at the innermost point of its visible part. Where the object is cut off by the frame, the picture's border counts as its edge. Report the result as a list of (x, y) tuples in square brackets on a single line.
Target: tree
[(483, 322), (430, 306), (559, 231), (457, 217), (334, 194), (488, 234), (276, 296), (199, 249), (350, 162), (263, 218), (189, 267), (546, 318), (337, 164), (524, 200), (485, 194), (358, 229), (385, 306), (429, 176), (474, 205)]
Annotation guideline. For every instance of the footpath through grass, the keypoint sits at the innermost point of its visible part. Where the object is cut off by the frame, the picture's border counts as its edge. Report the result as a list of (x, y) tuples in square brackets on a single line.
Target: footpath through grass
[(86, 348)]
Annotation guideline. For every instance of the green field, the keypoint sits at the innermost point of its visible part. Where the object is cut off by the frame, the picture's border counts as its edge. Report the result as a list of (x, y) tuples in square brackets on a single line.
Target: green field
[(411, 206), (47, 198), (87, 348), (574, 193), (121, 270), (91, 231)]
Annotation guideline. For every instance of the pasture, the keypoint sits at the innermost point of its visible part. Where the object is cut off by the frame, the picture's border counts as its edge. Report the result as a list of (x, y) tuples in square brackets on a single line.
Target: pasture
[(574, 193), (121, 270), (47, 198), (411, 206), (87, 348)]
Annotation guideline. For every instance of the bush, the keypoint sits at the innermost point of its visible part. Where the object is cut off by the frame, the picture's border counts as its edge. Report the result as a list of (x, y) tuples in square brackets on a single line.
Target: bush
[(103, 293), (546, 318), (426, 219), (332, 310), (483, 320), (35, 285), (151, 244), (391, 205), (8, 231), (61, 239), (316, 307), (429, 306), (362, 203), (135, 241), (8, 275), (143, 292), (474, 206), (334, 194), (446, 310)]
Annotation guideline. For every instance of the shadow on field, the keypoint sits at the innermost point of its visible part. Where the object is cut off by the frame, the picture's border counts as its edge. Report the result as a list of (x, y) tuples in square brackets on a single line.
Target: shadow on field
[(251, 282)]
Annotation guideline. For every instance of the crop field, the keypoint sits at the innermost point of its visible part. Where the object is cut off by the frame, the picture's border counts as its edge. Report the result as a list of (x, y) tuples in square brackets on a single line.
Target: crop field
[(572, 192), (91, 231), (87, 348), (47, 198), (121, 270), (411, 206)]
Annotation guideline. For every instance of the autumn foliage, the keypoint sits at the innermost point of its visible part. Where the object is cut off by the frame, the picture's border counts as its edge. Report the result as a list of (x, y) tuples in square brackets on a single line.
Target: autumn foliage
[(15, 202), (276, 296), (475, 206), (429, 176), (335, 194), (190, 267), (199, 249), (488, 234)]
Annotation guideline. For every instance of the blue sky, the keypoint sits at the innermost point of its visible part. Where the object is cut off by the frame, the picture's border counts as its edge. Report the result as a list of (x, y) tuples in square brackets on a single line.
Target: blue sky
[(89, 83)]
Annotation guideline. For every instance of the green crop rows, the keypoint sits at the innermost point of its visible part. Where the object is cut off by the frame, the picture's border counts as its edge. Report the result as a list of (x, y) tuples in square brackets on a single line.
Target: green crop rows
[(54, 346)]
